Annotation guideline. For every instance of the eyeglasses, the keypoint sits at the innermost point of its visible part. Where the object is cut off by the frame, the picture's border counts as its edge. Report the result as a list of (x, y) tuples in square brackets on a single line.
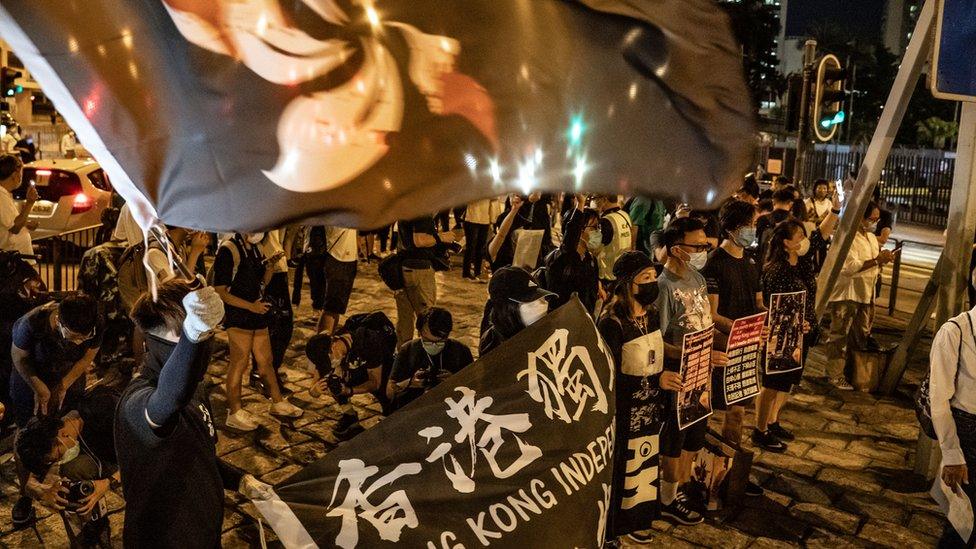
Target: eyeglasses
[(696, 247), (74, 336)]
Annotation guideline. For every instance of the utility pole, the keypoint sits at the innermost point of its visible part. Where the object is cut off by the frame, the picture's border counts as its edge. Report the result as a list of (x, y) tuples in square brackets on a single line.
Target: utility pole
[(802, 139)]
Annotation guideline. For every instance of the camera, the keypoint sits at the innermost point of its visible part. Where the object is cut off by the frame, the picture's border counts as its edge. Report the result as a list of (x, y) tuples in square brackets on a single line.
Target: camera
[(337, 388), (78, 490)]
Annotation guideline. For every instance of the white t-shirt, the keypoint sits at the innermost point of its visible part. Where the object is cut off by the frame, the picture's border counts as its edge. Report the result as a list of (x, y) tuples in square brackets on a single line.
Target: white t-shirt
[(9, 211), (342, 243), (8, 143), (479, 212), (127, 229), (820, 207), (272, 245)]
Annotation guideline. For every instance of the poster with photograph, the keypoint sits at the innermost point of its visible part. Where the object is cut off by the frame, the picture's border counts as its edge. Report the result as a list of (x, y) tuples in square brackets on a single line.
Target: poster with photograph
[(741, 375), (784, 350), (695, 398)]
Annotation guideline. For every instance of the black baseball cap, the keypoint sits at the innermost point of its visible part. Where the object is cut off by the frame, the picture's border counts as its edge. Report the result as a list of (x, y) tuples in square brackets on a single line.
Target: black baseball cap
[(517, 284), (630, 264)]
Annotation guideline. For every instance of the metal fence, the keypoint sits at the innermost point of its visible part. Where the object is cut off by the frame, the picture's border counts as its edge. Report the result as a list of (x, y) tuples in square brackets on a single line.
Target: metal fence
[(59, 256), (915, 183)]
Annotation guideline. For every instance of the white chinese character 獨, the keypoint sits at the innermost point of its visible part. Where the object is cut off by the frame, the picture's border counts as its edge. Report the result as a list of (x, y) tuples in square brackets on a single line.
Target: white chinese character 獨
[(555, 375)]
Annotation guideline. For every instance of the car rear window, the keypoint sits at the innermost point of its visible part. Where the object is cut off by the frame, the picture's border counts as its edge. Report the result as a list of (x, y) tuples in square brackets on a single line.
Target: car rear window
[(100, 180), (51, 184)]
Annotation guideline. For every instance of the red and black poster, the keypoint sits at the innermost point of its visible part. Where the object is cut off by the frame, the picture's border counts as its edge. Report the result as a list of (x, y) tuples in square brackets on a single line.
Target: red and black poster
[(694, 400), (784, 349), (744, 351)]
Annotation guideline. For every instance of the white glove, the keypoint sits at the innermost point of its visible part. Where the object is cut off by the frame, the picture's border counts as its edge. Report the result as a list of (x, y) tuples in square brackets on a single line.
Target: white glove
[(254, 489), (204, 310)]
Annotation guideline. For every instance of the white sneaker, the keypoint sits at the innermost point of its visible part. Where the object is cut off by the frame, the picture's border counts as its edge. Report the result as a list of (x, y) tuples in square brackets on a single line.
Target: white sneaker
[(242, 420), (286, 409)]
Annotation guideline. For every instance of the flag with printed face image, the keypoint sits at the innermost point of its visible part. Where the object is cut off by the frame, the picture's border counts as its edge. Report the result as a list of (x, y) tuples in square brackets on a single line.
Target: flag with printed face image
[(508, 452), (236, 115)]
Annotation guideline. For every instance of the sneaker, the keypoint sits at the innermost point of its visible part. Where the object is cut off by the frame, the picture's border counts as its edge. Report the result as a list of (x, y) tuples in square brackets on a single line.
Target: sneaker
[(781, 432), (342, 435), (242, 420), (841, 384), (286, 409), (346, 421), (643, 537), (23, 515), (768, 441), (753, 490), (681, 512)]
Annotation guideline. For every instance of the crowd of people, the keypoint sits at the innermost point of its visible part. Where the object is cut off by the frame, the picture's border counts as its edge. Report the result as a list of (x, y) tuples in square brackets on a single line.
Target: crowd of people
[(648, 272)]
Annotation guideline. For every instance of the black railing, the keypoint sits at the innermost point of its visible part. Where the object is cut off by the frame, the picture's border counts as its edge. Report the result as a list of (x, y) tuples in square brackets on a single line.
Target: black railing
[(59, 256)]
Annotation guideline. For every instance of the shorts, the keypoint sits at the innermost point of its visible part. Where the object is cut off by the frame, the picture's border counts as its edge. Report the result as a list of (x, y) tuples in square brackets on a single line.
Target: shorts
[(243, 319), (674, 440), (339, 278)]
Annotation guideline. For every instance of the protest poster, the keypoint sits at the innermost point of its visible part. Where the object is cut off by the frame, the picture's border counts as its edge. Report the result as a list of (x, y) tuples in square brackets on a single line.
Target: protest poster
[(507, 452), (694, 400), (741, 376), (527, 245), (784, 349)]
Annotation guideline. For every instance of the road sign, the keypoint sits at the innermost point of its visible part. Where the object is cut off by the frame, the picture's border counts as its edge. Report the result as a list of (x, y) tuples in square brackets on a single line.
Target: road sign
[(954, 60)]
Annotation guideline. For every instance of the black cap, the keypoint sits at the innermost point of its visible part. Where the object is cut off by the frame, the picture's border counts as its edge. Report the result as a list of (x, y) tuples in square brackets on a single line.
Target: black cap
[(517, 284), (630, 264), (319, 350)]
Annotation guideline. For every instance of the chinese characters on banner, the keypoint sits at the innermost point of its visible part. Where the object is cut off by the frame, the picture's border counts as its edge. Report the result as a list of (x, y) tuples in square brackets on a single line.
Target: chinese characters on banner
[(505, 453), (745, 345), (784, 350), (695, 398)]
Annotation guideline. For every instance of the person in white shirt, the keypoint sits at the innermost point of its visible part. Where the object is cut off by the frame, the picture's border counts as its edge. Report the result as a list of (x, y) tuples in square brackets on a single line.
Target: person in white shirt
[(330, 255), (8, 143), (477, 219), (952, 397), (821, 203), (852, 300), (15, 226), (68, 142)]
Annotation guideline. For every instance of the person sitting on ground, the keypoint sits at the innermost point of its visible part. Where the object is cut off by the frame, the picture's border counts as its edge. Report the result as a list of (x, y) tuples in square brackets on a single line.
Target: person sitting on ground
[(515, 301), (424, 362), (356, 360)]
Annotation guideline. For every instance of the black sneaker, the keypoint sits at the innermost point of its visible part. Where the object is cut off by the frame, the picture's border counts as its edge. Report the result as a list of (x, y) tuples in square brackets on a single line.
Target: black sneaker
[(681, 512), (781, 432), (768, 441), (23, 515), (347, 427), (753, 490), (643, 536)]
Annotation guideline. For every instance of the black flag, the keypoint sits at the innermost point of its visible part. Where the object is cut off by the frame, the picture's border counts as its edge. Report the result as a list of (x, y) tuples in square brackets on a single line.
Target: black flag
[(247, 114), (513, 451)]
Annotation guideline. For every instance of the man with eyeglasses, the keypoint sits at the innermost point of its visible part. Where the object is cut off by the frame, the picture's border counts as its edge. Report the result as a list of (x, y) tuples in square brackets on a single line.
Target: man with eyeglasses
[(53, 346)]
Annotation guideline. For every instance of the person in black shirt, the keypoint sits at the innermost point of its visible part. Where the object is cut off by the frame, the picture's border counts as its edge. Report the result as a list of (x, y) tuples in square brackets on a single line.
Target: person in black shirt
[(572, 269), (418, 240), (424, 362), (782, 208), (164, 433), (515, 301), (521, 212), (734, 292)]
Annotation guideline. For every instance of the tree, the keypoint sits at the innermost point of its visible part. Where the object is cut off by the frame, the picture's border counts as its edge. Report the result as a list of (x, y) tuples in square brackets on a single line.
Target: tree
[(934, 132)]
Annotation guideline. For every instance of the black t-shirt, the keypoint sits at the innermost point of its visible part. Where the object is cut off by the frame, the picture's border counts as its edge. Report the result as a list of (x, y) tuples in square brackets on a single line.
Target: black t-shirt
[(413, 358), (781, 278), (245, 287), (174, 494), (735, 281), (566, 273), (531, 216), (51, 355), (423, 225), (765, 224)]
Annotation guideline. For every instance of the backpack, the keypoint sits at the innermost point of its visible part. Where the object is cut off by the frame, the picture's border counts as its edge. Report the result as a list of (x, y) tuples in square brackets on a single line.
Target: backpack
[(923, 399), (541, 273), (379, 324), (234, 247)]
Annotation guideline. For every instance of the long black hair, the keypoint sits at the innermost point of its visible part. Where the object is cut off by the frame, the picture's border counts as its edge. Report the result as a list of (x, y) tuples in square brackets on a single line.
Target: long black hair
[(574, 227), (505, 318), (776, 253)]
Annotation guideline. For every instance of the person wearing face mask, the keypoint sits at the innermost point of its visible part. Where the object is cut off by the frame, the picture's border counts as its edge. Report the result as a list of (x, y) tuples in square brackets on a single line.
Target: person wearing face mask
[(515, 301), (785, 271), (521, 213), (782, 210), (617, 235), (851, 306), (572, 268), (172, 481), (426, 361), (684, 308), (53, 346), (77, 448), (239, 277), (356, 360), (630, 327), (734, 292)]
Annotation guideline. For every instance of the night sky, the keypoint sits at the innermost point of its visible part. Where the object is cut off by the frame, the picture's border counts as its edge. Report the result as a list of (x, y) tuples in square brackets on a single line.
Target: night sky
[(863, 17)]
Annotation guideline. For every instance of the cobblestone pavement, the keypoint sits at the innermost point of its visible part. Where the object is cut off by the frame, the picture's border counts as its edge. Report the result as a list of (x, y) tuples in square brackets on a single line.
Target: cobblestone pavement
[(846, 481)]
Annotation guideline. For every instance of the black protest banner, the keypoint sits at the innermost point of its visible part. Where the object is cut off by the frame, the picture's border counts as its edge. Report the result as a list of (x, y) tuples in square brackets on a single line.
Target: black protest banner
[(509, 452), (784, 349), (741, 375), (695, 398)]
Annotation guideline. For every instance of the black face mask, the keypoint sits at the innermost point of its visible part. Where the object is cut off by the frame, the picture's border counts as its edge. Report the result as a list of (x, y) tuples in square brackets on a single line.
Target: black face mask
[(157, 353), (647, 293)]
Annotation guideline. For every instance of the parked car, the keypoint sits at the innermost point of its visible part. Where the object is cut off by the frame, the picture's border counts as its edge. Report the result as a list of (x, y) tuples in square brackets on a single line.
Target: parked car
[(72, 193)]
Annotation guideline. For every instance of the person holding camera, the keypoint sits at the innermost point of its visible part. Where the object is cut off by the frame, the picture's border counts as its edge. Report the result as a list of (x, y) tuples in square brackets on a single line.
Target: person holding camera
[(353, 362), (172, 480), (239, 277), (426, 361), (72, 465)]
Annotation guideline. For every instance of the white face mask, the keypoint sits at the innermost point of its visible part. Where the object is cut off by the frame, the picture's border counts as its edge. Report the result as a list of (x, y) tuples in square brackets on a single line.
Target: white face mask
[(698, 260), (255, 238), (433, 348), (804, 247), (70, 454), (531, 312)]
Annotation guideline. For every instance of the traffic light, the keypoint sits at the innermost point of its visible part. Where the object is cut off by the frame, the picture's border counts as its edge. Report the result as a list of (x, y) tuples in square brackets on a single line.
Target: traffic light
[(828, 98), (8, 82)]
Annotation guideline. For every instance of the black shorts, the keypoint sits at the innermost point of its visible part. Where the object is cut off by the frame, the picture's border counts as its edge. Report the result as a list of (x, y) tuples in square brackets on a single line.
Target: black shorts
[(674, 440), (243, 319), (339, 278)]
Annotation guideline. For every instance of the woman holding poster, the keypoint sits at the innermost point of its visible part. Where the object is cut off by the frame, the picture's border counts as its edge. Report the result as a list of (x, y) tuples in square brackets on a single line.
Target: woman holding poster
[(630, 326), (784, 272)]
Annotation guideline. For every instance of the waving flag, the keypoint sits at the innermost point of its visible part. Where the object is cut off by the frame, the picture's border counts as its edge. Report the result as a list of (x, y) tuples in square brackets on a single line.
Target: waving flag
[(246, 114)]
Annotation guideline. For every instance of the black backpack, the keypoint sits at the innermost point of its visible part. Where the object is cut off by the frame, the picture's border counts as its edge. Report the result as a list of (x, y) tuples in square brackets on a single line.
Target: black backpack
[(923, 400)]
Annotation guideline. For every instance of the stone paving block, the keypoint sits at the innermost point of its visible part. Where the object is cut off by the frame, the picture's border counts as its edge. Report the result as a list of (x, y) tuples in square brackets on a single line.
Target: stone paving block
[(907, 432), (254, 461), (769, 523), (801, 490), (837, 458), (798, 448), (278, 475), (660, 540), (709, 535), (880, 450), (849, 429), (228, 442), (280, 439), (785, 462), (889, 534), (863, 481), (827, 517), (927, 523), (770, 543), (307, 453), (916, 500), (828, 440), (873, 507), (232, 519), (802, 420), (824, 539), (51, 530)]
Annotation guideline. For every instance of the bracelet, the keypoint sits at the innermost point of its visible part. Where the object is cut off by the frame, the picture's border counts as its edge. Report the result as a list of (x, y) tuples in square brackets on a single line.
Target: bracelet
[(835, 212)]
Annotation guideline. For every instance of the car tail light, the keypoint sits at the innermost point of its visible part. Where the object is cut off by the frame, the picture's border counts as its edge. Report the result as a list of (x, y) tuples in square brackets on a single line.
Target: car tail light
[(43, 173), (82, 203)]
